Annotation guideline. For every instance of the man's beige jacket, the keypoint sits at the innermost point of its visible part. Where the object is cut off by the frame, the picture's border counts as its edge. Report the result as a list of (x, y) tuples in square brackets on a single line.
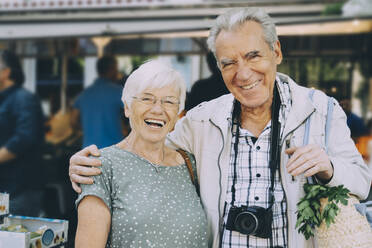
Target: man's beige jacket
[(206, 133)]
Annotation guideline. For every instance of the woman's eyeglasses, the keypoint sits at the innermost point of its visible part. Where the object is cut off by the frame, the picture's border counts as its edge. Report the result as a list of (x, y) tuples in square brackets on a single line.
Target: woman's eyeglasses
[(168, 102)]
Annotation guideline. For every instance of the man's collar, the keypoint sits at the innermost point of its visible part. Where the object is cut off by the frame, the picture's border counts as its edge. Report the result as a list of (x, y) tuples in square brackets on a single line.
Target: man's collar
[(292, 94), (285, 96)]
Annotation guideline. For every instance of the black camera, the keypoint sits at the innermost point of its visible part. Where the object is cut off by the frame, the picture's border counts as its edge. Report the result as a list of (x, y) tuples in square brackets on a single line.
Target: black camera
[(251, 220)]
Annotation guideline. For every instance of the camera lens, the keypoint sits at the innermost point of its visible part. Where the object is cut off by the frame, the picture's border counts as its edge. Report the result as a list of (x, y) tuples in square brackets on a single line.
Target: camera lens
[(246, 223)]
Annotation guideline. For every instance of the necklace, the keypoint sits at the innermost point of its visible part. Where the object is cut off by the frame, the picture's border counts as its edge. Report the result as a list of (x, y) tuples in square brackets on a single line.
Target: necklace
[(130, 148)]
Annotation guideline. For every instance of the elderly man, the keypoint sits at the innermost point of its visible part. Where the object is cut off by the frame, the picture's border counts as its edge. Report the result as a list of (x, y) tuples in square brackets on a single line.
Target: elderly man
[(236, 139)]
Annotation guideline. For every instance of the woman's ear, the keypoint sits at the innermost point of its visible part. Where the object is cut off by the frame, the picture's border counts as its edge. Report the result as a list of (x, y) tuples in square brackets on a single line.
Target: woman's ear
[(126, 110)]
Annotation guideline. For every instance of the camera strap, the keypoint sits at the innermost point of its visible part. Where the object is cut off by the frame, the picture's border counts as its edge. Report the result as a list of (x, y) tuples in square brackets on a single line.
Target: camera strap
[(274, 142), (274, 139)]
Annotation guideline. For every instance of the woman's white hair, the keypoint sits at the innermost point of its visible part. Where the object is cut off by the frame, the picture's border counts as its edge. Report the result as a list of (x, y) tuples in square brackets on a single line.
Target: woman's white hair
[(237, 17), (153, 74)]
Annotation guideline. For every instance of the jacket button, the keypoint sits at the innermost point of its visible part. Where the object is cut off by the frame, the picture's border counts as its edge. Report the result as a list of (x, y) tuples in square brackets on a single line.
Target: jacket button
[(256, 198), (258, 148), (258, 175)]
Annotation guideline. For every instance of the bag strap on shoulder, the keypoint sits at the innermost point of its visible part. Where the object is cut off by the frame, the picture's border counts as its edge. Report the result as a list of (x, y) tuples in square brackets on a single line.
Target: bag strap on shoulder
[(328, 121), (327, 126), (307, 124), (188, 164)]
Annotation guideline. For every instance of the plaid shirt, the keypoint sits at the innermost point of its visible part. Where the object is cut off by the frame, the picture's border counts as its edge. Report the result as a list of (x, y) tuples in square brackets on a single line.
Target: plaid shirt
[(253, 182)]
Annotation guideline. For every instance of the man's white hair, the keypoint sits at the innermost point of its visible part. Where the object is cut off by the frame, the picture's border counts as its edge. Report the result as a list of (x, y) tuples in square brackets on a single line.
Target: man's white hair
[(237, 17), (153, 74)]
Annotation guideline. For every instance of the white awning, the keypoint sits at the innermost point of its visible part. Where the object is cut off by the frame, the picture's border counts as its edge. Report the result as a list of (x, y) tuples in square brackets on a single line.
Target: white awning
[(302, 18)]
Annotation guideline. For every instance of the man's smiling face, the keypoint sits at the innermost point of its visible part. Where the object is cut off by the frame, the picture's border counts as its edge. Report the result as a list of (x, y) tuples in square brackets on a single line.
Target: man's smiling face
[(248, 65)]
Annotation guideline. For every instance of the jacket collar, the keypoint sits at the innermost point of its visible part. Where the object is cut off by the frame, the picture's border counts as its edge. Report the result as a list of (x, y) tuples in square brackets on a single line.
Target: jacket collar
[(302, 107)]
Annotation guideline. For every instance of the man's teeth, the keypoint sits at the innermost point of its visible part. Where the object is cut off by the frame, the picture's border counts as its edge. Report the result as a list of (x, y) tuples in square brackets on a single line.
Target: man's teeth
[(248, 87), (155, 122)]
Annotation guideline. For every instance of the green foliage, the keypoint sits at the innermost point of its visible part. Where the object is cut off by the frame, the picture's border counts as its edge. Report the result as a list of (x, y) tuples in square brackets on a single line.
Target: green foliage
[(139, 60), (321, 72), (333, 9), (309, 214)]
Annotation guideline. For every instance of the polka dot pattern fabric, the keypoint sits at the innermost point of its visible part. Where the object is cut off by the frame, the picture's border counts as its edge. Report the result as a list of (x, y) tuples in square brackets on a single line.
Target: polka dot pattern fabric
[(151, 205)]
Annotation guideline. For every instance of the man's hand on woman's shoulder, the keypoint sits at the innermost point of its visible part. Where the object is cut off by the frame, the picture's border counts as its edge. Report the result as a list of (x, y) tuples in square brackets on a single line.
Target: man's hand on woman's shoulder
[(82, 166)]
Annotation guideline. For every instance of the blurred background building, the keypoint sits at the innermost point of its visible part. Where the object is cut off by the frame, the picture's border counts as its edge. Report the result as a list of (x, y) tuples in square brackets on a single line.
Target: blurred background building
[(326, 44)]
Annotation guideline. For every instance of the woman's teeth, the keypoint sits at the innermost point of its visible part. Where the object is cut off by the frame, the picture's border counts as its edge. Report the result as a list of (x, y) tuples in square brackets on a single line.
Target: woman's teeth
[(248, 87), (156, 123)]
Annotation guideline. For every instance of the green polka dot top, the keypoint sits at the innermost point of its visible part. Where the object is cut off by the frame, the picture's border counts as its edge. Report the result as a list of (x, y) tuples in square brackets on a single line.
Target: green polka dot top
[(151, 205)]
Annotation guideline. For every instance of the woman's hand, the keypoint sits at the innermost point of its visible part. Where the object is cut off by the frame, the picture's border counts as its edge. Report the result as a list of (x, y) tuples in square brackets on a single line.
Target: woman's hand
[(81, 167)]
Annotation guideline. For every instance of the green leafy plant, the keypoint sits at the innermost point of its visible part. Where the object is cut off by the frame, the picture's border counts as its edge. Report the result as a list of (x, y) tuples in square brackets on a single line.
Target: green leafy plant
[(333, 8), (309, 214)]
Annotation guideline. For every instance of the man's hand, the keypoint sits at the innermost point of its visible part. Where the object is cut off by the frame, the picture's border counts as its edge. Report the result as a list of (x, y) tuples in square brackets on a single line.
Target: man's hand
[(80, 169), (310, 160)]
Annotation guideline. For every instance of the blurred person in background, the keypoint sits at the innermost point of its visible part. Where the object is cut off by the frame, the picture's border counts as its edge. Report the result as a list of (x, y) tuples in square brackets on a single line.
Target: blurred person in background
[(208, 88), (364, 145), (98, 109), (354, 122), (359, 131), (21, 137), (144, 196)]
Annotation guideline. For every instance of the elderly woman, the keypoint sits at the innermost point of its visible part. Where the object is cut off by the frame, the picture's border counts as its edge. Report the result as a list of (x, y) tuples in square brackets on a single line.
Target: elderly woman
[(144, 196)]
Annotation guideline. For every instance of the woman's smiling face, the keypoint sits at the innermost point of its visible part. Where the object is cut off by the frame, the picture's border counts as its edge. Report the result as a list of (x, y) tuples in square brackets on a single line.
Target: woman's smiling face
[(154, 112)]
